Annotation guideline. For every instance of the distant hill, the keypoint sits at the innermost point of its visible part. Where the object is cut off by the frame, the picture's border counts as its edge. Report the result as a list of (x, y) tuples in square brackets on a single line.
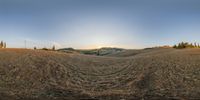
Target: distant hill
[(100, 52), (134, 52), (67, 50)]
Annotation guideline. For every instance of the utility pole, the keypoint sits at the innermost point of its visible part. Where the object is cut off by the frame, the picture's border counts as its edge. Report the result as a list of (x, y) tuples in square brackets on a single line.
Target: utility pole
[(25, 44)]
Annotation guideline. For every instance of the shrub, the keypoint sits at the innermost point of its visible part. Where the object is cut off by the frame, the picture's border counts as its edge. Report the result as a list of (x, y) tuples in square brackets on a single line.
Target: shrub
[(45, 49)]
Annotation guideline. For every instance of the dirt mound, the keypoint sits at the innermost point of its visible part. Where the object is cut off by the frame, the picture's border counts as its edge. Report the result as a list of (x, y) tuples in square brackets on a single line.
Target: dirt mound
[(160, 73)]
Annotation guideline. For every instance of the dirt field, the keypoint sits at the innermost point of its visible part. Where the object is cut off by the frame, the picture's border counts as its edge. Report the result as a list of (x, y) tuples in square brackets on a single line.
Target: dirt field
[(128, 75)]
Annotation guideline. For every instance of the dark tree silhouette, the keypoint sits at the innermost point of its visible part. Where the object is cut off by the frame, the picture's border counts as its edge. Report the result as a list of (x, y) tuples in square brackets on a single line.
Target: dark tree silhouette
[(195, 44), (53, 48), (98, 52), (1, 44), (4, 46), (186, 45)]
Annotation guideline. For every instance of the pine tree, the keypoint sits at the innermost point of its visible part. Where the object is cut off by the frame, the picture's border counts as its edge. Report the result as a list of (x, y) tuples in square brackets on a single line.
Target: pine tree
[(195, 44), (1, 44), (53, 48), (182, 45), (179, 45), (98, 52), (174, 46), (4, 46)]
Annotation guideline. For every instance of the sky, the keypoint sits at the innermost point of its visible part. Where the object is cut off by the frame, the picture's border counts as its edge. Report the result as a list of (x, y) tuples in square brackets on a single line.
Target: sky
[(87, 24)]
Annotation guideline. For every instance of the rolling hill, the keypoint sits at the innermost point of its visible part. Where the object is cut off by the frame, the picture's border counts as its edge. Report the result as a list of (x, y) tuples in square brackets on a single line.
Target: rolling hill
[(98, 52), (165, 73)]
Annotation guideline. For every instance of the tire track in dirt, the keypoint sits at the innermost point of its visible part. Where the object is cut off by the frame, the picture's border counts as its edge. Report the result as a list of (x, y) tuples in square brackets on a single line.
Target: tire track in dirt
[(71, 67)]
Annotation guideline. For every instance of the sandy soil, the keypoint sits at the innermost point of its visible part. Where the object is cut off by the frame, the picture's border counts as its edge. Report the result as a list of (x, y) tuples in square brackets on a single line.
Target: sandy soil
[(151, 74)]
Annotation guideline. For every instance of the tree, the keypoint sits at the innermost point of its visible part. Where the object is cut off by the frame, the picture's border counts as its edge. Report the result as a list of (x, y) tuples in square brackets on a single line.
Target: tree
[(4, 46), (45, 49), (35, 48), (53, 48), (1, 44), (181, 45), (186, 45), (191, 45), (195, 44), (174, 46), (98, 52)]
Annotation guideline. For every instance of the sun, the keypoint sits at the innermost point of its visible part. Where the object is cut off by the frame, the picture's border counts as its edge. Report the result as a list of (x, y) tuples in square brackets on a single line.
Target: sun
[(98, 47)]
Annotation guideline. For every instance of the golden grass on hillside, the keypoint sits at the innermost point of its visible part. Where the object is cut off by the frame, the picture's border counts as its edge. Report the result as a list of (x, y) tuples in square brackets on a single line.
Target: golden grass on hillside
[(153, 74)]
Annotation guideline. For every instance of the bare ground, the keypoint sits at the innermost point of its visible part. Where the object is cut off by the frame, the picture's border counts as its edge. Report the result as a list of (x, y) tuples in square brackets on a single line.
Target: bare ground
[(151, 74)]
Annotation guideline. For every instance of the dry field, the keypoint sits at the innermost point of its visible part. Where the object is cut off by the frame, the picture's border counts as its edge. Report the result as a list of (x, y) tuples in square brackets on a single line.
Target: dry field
[(128, 75)]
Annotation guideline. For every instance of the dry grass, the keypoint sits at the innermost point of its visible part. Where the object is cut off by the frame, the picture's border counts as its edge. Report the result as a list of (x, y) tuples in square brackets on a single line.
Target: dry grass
[(152, 74)]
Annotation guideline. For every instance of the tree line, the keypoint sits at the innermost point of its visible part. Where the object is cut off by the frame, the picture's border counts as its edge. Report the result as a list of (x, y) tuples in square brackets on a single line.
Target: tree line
[(3, 44), (186, 45), (53, 48)]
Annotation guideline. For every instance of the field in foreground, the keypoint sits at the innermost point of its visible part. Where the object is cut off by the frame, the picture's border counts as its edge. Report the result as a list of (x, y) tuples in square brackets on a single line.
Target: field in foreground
[(132, 74)]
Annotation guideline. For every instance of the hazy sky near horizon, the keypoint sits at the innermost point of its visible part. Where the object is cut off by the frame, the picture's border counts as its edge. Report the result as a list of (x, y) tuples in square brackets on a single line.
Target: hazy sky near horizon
[(88, 24)]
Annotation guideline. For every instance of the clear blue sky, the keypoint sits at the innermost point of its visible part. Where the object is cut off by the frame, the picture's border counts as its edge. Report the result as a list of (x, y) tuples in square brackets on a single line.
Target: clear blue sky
[(97, 23)]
